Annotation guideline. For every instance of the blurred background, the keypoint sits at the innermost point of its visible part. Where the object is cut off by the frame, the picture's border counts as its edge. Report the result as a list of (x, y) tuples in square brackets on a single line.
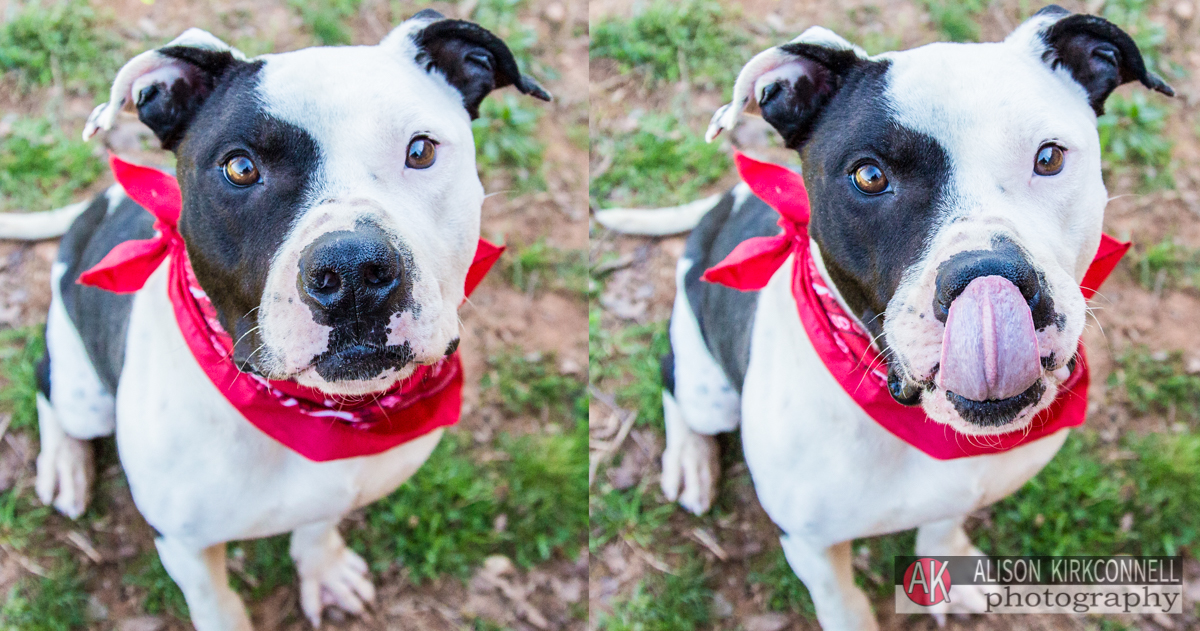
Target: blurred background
[(1128, 483), (490, 532)]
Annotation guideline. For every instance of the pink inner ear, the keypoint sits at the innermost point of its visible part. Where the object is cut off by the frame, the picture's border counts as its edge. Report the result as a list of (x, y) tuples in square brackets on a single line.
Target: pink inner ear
[(165, 75)]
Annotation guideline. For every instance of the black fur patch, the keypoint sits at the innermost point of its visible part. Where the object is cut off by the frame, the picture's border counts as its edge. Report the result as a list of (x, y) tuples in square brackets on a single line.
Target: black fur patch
[(725, 315), (101, 317)]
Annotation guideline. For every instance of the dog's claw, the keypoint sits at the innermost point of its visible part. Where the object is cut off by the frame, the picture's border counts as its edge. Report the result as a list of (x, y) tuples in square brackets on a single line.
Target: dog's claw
[(690, 470), (64, 475)]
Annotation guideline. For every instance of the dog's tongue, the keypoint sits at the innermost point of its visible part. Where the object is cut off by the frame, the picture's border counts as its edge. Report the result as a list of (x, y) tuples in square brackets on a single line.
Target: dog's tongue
[(989, 351)]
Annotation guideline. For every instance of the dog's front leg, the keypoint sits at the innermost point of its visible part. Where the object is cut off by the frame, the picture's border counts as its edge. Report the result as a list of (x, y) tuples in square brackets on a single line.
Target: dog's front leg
[(330, 573), (201, 575), (829, 577)]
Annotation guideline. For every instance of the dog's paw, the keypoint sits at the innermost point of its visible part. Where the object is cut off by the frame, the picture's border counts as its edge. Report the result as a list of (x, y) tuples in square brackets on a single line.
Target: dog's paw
[(64, 475), (967, 599), (690, 470), (340, 579)]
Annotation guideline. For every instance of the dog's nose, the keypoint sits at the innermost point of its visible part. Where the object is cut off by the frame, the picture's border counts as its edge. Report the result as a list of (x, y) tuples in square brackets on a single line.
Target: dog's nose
[(1006, 261), (355, 271)]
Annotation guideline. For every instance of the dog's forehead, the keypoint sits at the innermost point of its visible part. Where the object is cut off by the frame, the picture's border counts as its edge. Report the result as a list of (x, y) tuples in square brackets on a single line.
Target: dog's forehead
[(331, 88), (971, 94)]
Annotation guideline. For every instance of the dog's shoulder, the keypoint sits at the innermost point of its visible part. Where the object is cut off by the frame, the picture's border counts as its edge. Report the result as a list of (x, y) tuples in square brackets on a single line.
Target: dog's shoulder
[(101, 317), (726, 315)]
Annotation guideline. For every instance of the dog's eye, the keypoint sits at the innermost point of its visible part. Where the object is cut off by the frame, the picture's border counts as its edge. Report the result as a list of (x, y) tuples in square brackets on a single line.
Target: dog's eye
[(240, 171), (1049, 160), (421, 153), (870, 180)]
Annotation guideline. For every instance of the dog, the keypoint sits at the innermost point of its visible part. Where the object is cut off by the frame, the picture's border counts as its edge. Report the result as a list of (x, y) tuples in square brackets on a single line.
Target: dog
[(926, 170), (330, 210)]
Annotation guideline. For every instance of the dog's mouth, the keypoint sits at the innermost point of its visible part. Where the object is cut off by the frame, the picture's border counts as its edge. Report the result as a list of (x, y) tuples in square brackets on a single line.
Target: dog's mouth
[(990, 376), (361, 362)]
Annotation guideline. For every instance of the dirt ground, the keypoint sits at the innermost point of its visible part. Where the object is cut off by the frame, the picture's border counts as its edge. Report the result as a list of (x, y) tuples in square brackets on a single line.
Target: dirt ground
[(1125, 313), (498, 317)]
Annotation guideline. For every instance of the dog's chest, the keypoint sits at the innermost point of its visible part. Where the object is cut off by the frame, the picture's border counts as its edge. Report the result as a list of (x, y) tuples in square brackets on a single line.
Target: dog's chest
[(809, 447), (195, 465)]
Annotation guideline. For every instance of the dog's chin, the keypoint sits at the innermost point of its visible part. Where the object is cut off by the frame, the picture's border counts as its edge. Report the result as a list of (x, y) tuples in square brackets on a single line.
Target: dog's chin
[(358, 370), (988, 418)]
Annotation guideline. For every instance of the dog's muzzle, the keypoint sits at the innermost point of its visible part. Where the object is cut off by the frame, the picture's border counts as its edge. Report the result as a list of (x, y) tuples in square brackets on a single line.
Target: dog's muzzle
[(353, 281)]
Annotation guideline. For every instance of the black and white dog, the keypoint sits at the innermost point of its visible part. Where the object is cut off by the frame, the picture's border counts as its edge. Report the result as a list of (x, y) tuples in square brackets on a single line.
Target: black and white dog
[(911, 159), (371, 144)]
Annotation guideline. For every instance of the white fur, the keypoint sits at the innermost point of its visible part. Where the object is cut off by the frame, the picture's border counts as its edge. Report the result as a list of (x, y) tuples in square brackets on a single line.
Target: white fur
[(363, 126)]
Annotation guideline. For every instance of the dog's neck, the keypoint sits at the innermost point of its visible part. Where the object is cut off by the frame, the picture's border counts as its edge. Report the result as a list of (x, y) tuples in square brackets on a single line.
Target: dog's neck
[(833, 288)]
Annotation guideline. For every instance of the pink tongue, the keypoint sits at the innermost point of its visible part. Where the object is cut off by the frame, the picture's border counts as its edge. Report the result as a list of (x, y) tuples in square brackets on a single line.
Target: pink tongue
[(989, 351)]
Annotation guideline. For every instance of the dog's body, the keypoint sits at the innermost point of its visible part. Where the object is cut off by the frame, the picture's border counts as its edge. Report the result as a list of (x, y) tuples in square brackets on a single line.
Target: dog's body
[(331, 209), (989, 162)]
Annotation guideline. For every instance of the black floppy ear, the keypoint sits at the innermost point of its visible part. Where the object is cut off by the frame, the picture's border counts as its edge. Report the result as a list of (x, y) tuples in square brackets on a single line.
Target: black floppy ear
[(790, 84), (1097, 53), (168, 85), (471, 58)]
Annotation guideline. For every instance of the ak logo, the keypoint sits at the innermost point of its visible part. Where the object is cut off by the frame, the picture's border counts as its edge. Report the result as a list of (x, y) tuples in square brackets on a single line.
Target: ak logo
[(927, 582)]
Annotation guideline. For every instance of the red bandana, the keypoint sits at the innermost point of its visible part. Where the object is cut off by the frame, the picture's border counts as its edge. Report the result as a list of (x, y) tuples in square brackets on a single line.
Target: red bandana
[(847, 349), (314, 424)]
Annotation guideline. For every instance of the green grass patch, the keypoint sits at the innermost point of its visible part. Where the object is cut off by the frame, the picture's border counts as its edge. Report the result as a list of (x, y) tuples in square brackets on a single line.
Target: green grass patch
[(531, 384), (49, 42), (538, 265), (956, 20), (670, 41), (1157, 383), (260, 566), (41, 168), (626, 362), (327, 19), (662, 162), (20, 350), (1166, 264), (632, 514), (785, 592), (1140, 499), (528, 505), (507, 142), (57, 602), (161, 596), (1132, 138), (664, 601)]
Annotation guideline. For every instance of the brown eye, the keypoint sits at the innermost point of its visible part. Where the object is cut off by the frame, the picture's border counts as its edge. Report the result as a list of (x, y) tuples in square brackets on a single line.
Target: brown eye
[(1049, 160), (870, 180), (421, 153), (240, 171)]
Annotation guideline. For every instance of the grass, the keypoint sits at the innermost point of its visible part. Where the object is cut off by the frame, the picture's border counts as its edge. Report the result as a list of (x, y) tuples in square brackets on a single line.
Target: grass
[(673, 41), (507, 142), (664, 601), (327, 19), (56, 602), (626, 362), (662, 162), (633, 515), (41, 168), (1132, 138), (531, 384), (457, 510), (956, 20), (1140, 499), (1158, 383), (20, 350), (537, 265), (1166, 264), (62, 42)]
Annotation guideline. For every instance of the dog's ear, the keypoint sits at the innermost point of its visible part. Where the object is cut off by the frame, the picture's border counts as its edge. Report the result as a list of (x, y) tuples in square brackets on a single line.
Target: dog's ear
[(790, 84), (167, 85), (471, 59), (1096, 53)]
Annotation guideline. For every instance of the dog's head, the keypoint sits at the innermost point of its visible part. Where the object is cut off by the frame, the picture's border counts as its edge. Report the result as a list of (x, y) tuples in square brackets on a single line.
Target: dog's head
[(331, 203), (957, 199)]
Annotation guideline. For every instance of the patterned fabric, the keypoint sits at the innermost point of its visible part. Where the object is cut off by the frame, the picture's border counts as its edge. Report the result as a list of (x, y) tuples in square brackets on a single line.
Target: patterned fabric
[(316, 425), (847, 349)]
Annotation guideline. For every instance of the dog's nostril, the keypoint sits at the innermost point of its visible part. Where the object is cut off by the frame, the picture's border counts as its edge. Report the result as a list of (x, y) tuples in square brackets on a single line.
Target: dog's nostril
[(329, 282), (377, 274)]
